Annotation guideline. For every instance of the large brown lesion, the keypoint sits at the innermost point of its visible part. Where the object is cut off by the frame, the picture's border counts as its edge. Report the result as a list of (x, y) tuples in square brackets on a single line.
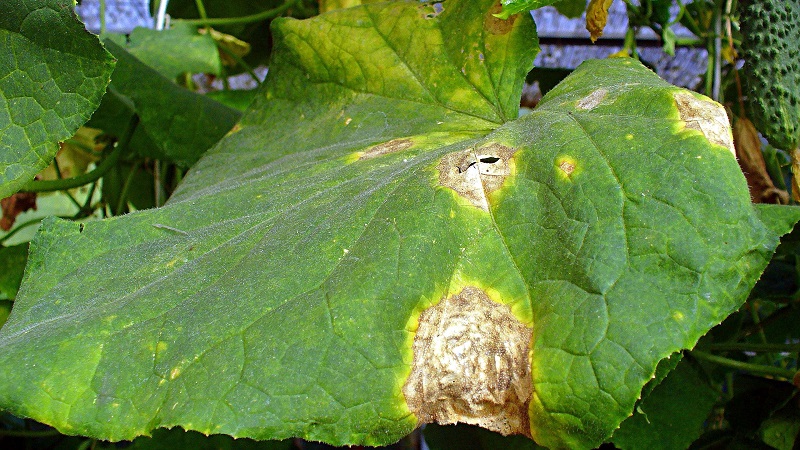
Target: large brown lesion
[(475, 173), (707, 117), (471, 364)]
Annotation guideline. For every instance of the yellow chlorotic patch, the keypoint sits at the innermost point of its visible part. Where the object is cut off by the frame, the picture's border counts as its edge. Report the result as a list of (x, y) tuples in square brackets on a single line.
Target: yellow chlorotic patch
[(629, 137), (471, 364), (677, 315)]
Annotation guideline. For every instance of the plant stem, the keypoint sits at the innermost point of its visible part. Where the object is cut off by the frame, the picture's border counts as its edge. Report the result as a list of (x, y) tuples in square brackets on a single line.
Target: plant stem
[(161, 15), (241, 62), (747, 347), (102, 17), (123, 196), (717, 53), (748, 367), (86, 209), (18, 228), (29, 433), (61, 177), (264, 15), (97, 173)]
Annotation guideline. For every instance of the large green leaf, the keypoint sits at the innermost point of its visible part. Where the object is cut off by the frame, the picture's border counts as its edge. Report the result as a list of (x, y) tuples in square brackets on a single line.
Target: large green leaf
[(288, 287), (52, 75)]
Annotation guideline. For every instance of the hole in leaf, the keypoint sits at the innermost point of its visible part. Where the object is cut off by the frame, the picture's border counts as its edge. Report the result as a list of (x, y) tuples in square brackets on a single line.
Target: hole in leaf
[(489, 159)]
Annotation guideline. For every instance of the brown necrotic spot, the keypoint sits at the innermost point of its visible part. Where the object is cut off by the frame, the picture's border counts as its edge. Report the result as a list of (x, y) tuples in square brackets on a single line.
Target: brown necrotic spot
[(707, 117), (495, 25), (395, 145), (475, 173), (471, 365), (567, 167), (592, 100)]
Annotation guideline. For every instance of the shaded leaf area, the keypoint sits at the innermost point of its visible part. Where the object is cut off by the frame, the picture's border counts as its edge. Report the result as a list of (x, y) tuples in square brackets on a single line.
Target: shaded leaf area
[(52, 75), (173, 51), (277, 293), (672, 415), (471, 437), (12, 265), (176, 124)]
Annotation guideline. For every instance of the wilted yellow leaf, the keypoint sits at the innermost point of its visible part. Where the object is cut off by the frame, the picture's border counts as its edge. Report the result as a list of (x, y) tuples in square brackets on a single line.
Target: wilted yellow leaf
[(232, 44), (75, 155), (596, 16)]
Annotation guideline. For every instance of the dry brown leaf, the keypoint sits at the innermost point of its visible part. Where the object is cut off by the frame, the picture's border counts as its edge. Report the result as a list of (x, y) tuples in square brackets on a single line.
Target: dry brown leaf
[(74, 158), (751, 160), (596, 16), (14, 206)]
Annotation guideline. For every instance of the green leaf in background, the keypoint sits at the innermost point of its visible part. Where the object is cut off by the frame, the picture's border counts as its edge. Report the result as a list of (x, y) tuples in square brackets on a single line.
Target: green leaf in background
[(237, 99), (511, 7), (173, 51), (571, 8), (379, 189), (672, 415), (177, 124), (52, 75)]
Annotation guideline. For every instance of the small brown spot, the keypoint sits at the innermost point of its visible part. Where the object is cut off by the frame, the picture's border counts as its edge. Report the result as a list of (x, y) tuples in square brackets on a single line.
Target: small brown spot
[(471, 365), (707, 117), (591, 101), (475, 173), (567, 167), (395, 145), (495, 25)]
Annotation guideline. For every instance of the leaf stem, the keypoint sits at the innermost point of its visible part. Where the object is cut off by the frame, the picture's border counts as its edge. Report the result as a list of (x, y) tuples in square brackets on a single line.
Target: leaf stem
[(97, 173), (264, 15), (61, 177), (241, 62), (102, 17), (123, 196), (740, 365)]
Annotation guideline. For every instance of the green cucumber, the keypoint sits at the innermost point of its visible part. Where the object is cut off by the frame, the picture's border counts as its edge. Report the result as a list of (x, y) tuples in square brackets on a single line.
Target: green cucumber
[(771, 48)]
